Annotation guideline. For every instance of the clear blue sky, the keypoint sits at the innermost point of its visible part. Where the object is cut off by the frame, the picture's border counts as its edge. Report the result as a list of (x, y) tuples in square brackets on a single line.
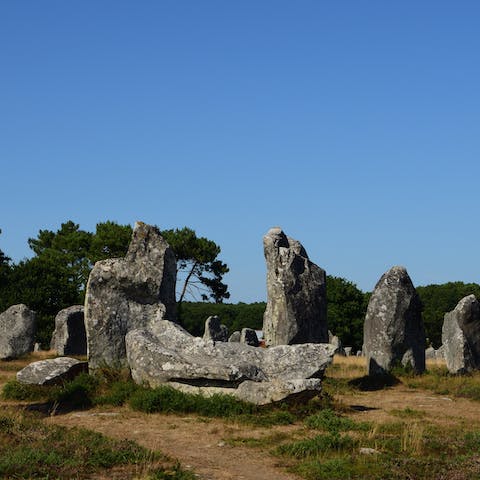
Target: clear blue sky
[(354, 125)]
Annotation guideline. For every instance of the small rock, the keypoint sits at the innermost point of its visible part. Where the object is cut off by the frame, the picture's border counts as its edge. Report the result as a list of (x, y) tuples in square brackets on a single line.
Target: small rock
[(368, 451)]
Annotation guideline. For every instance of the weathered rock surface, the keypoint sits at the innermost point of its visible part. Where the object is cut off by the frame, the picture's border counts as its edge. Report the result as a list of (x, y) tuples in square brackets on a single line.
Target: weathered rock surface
[(18, 326), (248, 336), (393, 332), (296, 293), (168, 354), (348, 351), (214, 330), (430, 354), (52, 371), (127, 293), (69, 336), (461, 336)]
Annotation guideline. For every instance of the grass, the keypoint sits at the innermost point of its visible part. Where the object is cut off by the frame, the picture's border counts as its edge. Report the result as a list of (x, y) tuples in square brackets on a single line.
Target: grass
[(30, 449)]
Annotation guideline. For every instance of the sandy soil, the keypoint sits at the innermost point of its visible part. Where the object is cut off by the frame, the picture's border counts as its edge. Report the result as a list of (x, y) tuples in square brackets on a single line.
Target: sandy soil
[(202, 446)]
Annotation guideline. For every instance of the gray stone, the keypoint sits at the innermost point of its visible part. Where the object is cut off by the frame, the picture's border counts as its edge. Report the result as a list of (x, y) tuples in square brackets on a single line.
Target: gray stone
[(235, 337), (337, 343), (440, 353), (348, 351), (127, 293), (69, 337), (214, 330), (52, 371), (393, 332), (430, 354), (461, 336), (296, 293), (249, 337), (18, 326), (166, 353)]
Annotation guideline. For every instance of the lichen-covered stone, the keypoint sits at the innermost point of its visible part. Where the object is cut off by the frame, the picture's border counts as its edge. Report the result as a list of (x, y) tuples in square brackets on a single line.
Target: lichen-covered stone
[(214, 330), (234, 337), (69, 336), (296, 293), (168, 354), (393, 331), (461, 336), (127, 293), (52, 371), (18, 326)]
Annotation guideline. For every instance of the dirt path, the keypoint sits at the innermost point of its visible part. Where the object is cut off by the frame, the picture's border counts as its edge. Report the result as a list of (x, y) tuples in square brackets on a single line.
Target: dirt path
[(384, 405), (196, 444)]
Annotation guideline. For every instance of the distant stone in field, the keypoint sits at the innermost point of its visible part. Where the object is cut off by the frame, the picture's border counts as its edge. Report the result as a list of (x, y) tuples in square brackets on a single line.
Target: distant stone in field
[(337, 343), (214, 330), (296, 293), (18, 326), (248, 336), (430, 354), (52, 371), (235, 337), (348, 351), (69, 337), (127, 293), (393, 332), (461, 336)]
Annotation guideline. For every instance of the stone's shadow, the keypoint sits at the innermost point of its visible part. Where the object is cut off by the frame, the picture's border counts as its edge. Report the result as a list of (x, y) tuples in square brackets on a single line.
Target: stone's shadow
[(371, 383), (50, 409), (362, 408)]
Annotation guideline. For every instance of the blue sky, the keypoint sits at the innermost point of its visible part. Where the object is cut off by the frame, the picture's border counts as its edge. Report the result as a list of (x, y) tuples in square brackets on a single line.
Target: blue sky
[(353, 125)]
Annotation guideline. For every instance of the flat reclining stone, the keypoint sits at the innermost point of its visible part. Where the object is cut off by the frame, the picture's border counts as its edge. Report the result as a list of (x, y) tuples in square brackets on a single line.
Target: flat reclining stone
[(52, 371), (167, 353)]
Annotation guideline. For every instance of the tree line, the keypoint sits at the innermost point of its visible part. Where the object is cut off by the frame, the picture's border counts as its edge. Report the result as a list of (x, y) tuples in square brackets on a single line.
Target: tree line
[(55, 277)]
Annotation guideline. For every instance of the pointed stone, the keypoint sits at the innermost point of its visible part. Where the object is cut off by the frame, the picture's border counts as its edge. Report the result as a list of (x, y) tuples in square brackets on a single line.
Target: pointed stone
[(296, 292), (214, 330), (127, 293), (393, 331)]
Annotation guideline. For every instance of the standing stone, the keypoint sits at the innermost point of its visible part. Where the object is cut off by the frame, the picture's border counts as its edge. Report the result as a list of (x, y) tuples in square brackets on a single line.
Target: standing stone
[(248, 336), (337, 343), (296, 290), (461, 336), (18, 326), (430, 354), (69, 337), (127, 293), (393, 332), (214, 330), (234, 337), (348, 351)]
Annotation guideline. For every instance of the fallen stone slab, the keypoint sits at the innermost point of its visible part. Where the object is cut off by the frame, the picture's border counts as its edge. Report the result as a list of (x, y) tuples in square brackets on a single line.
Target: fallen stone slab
[(52, 371), (167, 354)]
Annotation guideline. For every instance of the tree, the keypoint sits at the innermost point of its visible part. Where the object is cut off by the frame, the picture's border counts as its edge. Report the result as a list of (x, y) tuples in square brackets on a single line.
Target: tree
[(110, 240), (199, 272), (346, 310)]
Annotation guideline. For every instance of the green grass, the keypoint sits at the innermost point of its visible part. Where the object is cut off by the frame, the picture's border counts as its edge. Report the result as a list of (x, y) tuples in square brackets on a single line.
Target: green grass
[(32, 450), (330, 421), (317, 445)]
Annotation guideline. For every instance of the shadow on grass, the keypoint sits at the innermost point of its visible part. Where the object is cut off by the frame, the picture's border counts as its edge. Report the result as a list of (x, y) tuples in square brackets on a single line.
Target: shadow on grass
[(371, 383)]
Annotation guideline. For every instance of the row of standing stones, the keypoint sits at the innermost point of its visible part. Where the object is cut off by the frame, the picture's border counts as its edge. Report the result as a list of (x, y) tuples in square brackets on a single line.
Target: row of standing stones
[(129, 323)]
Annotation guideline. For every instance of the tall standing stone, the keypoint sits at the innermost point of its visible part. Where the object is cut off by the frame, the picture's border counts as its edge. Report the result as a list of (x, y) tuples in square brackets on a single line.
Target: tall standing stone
[(128, 293), (461, 336), (18, 326), (393, 332), (69, 336), (214, 330), (296, 292)]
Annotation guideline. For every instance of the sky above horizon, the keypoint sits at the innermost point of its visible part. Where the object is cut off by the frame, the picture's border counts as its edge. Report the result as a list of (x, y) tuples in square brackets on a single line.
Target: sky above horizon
[(353, 125)]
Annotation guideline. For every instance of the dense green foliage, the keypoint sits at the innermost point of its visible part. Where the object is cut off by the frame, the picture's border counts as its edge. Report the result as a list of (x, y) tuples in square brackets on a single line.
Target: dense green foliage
[(440, 299)]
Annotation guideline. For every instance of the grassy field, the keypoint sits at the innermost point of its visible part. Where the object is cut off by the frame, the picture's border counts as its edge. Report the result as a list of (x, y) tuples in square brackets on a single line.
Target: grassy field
[(405, 427)]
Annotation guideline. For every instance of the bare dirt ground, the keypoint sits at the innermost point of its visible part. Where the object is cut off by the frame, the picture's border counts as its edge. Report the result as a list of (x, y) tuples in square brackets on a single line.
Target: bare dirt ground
[(206, 446)]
